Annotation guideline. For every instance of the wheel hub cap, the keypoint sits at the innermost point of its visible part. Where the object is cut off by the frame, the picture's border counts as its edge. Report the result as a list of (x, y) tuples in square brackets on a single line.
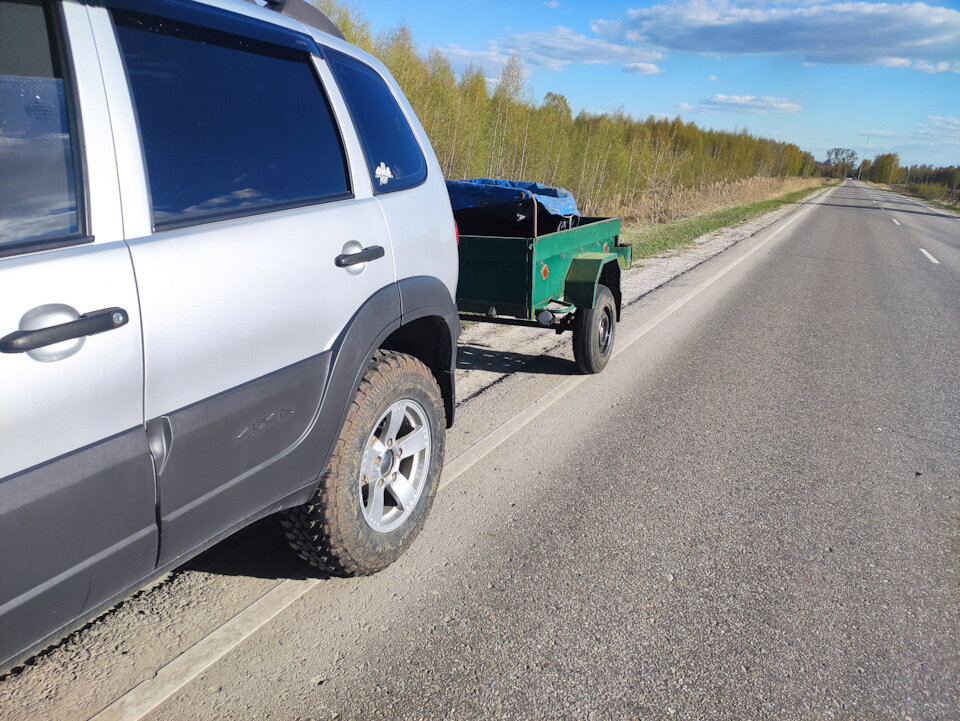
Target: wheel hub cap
[(386, 463), (606, 325)]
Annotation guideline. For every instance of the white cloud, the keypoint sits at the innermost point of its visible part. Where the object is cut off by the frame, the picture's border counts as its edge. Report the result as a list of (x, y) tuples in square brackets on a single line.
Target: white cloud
[(894, 62), (490, 60), (914, 34), (552, 3), (940, 130), (945, 122), (713, 78), (747, 104), (555, 50), (941, 67), (642, 68), (684, 106), (610, 28), (928, 139)]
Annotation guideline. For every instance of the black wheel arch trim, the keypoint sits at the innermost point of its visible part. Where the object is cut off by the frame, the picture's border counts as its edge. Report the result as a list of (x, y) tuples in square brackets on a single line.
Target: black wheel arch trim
[(425, 296), (408, 300), (361, 337)]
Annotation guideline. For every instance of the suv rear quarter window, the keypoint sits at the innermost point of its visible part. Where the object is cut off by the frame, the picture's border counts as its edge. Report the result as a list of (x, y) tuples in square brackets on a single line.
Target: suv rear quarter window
[(394, 157), (230, 125)]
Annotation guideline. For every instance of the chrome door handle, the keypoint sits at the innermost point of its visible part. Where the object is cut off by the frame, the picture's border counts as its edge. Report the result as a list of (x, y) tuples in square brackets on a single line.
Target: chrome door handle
[(369, 253), (97, 321)]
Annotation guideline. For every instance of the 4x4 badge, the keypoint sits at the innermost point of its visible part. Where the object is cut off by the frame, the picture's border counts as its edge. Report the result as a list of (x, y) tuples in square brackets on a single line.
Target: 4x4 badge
[(252, 428), (383, 174)]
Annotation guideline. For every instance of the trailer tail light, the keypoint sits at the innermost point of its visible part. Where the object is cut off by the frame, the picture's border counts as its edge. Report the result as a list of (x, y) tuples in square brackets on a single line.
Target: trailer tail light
[(545, 271), (456, 229)]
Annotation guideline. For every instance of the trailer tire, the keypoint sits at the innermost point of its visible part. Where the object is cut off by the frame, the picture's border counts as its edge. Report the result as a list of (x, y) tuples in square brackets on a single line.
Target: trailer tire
[(593, 332), (377, 490)]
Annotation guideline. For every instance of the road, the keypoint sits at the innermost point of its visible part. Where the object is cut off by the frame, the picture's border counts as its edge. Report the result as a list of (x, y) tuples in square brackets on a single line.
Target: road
[(752, 513)]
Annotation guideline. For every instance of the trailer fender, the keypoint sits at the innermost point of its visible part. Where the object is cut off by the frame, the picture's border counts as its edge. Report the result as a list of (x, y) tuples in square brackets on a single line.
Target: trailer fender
[(586, 271)]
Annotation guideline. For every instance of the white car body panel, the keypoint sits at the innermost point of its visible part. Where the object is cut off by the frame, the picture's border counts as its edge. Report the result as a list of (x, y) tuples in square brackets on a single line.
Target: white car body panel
[(48, 409)]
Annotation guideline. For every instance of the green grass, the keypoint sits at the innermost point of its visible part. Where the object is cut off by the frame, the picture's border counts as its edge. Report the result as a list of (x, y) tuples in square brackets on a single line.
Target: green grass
[(652, 240), (929, 201), (943, 206)]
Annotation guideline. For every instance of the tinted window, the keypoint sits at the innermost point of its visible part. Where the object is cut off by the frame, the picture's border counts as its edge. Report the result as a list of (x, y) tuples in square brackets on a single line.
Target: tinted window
[(230, 126), (393, 154), (38, 188)]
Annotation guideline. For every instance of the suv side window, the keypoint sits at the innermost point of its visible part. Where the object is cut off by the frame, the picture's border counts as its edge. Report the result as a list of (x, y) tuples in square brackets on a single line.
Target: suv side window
[(230, 125), (393, 154), (38, 161)]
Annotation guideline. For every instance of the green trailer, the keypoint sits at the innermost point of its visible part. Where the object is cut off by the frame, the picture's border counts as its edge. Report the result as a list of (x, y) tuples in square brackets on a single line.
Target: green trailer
[(566, 278)]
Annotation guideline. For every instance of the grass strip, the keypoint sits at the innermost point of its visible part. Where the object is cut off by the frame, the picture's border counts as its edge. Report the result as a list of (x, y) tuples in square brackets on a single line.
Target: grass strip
[(935, 203), (652, 240)]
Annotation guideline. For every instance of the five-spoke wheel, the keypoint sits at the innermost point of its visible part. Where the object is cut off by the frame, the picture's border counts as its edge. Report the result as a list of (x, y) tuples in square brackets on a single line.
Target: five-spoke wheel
[(376, 492), (394, 466)]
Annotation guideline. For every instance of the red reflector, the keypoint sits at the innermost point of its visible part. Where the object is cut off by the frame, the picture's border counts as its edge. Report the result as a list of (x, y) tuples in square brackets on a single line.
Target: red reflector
[(456, 229), (545, 271)]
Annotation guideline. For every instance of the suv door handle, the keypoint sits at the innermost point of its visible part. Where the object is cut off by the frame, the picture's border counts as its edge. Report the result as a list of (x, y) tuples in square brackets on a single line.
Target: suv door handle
[(369, 253), (97, 321)]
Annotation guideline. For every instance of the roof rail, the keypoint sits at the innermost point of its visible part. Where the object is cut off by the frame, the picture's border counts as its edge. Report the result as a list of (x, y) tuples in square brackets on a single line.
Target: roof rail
[(304, 12)]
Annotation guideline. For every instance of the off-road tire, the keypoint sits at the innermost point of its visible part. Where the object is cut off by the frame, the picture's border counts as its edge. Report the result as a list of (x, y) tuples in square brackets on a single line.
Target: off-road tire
[(594, 330), (330, 531)]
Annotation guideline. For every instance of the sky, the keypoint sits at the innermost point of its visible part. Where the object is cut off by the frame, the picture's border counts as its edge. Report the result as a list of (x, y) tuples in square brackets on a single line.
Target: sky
[(872, 76)]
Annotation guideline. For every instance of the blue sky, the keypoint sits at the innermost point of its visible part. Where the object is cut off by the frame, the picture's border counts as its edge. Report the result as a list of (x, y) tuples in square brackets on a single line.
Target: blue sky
[(819, 73)]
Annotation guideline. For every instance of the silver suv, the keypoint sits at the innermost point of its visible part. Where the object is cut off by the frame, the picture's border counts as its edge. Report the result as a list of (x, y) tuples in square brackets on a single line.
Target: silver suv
[(227, 277)]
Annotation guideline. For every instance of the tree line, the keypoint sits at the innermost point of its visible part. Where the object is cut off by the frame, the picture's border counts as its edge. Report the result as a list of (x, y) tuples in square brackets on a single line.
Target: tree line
[(936, 183), (614, 164)]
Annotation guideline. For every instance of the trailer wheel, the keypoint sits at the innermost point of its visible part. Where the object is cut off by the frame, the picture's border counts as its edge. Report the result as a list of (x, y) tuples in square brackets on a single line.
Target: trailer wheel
[(593, 332), (375, 495)]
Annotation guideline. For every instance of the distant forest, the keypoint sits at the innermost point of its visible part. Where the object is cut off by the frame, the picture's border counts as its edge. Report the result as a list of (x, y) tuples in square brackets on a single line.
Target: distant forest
[(614, 164), (927, 181)]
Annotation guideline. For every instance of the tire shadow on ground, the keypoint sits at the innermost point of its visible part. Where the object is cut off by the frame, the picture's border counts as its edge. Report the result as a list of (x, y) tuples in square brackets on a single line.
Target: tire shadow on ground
[(258, 551), (474, 357)]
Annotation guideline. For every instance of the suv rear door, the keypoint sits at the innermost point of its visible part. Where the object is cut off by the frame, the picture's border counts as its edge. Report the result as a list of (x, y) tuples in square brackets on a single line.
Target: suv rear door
[(248, 190), (406, 176), (77, 493)]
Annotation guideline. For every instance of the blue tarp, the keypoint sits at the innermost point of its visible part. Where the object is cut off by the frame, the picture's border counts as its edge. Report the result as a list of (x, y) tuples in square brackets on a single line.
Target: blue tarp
[(482, 192)]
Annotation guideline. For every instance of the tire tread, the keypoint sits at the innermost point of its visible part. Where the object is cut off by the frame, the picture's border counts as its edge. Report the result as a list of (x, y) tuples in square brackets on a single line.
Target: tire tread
[(313, 529)]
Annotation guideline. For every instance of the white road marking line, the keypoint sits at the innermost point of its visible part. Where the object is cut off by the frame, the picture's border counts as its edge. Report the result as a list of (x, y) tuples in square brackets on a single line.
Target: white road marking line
[(931, 208), (930, 257), (149, 694), (895, 221)]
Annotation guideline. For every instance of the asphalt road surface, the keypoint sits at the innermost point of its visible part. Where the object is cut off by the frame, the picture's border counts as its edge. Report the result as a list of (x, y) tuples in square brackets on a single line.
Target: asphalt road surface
[(752, 513)]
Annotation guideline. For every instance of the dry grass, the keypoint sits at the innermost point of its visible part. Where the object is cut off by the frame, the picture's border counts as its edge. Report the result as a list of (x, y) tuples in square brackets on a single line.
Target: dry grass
[(935, 195), (649, 240), (688, 203), (929, 197)]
